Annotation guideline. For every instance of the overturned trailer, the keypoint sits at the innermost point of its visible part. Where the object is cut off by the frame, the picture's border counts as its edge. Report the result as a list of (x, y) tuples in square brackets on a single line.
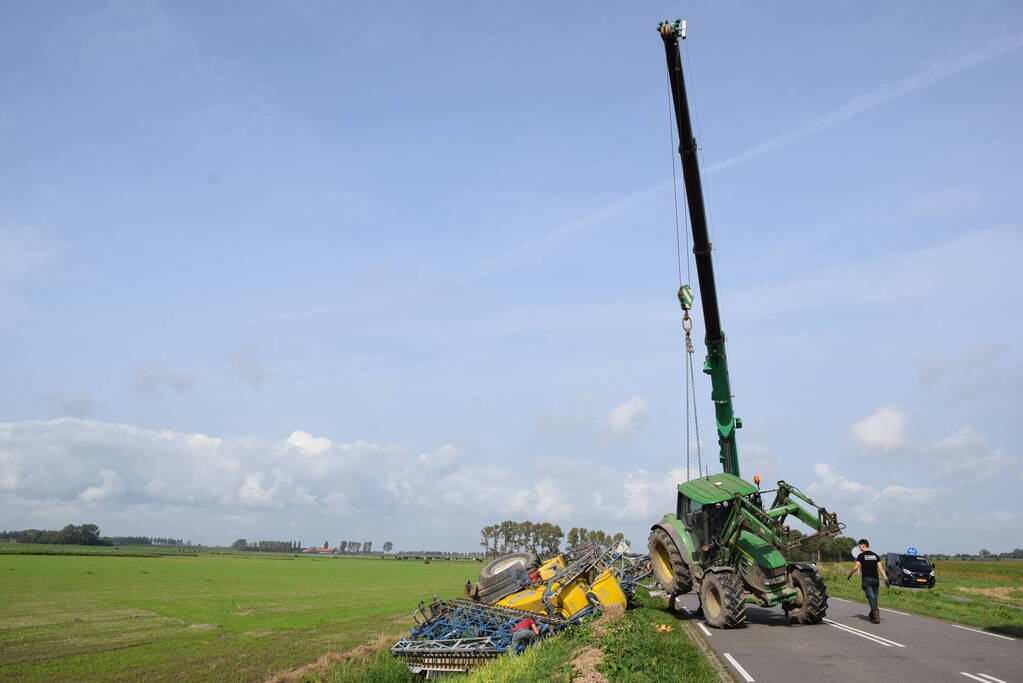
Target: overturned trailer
[(454, 636)]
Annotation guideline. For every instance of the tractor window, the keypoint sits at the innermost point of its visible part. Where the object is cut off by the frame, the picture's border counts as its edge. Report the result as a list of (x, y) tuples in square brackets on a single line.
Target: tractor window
[(686, 506)]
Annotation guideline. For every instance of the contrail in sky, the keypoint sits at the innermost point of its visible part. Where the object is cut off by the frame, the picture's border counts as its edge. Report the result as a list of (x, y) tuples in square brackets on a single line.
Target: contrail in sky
[(928, 76), (932, 74)]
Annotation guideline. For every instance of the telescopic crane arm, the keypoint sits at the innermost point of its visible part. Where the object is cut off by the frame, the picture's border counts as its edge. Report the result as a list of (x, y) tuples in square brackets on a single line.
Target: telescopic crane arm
[(715, 364)]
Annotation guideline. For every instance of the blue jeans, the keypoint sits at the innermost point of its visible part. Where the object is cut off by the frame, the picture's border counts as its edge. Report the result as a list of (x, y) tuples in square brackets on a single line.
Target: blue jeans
[(523, 634), (870, 590)]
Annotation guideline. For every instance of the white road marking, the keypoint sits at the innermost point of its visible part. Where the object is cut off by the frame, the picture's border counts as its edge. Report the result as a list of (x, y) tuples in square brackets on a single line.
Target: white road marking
[(703, 628), (738, 667), (832, 597), (896, 611), (986, 677), (863, 634), (992, 678), (966, 628)]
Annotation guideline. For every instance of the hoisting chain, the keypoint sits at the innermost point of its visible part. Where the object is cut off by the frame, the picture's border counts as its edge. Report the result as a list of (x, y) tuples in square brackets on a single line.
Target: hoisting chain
[(685, 299)]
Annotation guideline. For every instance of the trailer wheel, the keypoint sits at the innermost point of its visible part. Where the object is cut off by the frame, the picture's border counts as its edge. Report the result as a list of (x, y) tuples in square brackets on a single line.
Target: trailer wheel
[(723, 600), (670, 570), (812, 604)]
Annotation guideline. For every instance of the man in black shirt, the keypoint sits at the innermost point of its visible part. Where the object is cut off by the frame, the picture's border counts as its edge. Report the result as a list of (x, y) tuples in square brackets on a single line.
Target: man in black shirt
[(869, 562)]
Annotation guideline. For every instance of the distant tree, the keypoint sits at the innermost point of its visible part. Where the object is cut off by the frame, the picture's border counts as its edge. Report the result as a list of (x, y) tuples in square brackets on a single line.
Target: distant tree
[(388, 546), (343, 546), (367, 547), (240, 544), (984, 553), (325, 546)]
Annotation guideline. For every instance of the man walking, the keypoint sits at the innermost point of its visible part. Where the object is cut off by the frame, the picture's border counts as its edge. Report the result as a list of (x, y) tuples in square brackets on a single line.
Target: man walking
[(868, 563)]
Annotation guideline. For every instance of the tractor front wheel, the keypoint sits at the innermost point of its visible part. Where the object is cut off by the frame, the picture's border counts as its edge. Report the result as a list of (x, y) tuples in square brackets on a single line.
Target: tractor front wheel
[(723, 600), (812, 604), (670, 570)]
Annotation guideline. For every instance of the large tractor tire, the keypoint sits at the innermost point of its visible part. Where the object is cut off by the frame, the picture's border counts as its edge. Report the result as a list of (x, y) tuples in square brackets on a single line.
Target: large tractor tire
[(670, 570), (504, 575), (812, 604), (723, 600)]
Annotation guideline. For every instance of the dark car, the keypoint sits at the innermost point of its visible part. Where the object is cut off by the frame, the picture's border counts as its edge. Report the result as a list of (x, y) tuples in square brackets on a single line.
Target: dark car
[(909, 570)]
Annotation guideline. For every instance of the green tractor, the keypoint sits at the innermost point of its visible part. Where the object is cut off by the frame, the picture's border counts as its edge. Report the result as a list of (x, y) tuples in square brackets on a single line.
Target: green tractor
[(722, 540)]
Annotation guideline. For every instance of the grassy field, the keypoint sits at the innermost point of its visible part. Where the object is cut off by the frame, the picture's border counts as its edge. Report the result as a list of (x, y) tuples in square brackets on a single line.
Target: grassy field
[(180, 613), (201, 615), (994, 591)]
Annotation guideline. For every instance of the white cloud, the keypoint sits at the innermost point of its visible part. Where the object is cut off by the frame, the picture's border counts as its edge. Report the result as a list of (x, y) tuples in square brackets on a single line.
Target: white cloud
[(963, 457), (112, 487), (217, 489), (309, 444), (1002, 518), (872, 505), (883, 432), (758, 459), (624, 421), (444, 459), (966, 457)]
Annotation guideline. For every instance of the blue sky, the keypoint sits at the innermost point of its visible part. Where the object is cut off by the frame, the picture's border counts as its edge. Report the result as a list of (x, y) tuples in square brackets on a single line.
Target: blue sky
[(318, 270)]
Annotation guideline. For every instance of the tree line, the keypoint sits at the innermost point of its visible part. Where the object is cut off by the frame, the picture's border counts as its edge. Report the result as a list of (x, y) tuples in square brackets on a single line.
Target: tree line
[(146, 540), (355, 547), (85, 534), (542, 538), (267, 546), (581, 538)]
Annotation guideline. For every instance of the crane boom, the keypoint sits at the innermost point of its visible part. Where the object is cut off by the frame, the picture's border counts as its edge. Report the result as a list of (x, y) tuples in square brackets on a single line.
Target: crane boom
[(716, 362)]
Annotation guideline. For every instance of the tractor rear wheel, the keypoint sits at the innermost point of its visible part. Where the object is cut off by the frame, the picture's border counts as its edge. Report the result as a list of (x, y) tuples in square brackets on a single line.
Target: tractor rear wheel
[(723, 600), (670, 570), (506, 566), (812, 604), (505, 575)]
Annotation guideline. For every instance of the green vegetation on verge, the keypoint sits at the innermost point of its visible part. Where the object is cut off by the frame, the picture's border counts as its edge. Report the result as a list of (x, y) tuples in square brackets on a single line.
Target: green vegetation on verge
[(633, 650), (984, 584)]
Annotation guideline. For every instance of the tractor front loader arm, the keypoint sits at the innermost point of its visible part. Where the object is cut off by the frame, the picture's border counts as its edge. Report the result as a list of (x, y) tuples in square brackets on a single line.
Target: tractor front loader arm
[(824, 523)]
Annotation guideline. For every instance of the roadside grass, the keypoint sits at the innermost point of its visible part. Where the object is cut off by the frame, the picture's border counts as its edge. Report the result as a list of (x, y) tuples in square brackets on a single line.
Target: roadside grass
[(381, 668), (209, 617), (633, 651), (985, 583)]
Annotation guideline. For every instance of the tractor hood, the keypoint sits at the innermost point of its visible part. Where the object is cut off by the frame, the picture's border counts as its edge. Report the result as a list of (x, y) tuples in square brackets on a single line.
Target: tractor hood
[(716, 488), (760, 551)]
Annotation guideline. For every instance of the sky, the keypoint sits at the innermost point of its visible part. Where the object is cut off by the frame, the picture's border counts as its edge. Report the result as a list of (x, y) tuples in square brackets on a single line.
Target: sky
[(394, 272)]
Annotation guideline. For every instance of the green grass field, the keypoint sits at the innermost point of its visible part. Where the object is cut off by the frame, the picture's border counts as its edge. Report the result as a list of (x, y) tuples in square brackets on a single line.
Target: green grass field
[(995, 591), (183, 614), (200, 616)]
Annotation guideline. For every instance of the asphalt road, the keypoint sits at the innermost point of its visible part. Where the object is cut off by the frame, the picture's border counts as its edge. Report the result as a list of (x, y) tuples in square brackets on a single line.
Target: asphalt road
[(903, 648)]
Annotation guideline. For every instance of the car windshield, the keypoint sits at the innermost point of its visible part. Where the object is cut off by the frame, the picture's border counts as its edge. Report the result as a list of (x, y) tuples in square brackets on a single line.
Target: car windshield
[(916, 563)]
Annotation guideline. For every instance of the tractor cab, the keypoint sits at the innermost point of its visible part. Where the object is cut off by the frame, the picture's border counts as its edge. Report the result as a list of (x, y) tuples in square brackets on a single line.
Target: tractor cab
[(705, 503)]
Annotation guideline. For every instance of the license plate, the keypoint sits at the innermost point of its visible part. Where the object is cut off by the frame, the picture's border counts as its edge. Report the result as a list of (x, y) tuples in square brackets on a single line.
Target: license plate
[(922, 580)]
